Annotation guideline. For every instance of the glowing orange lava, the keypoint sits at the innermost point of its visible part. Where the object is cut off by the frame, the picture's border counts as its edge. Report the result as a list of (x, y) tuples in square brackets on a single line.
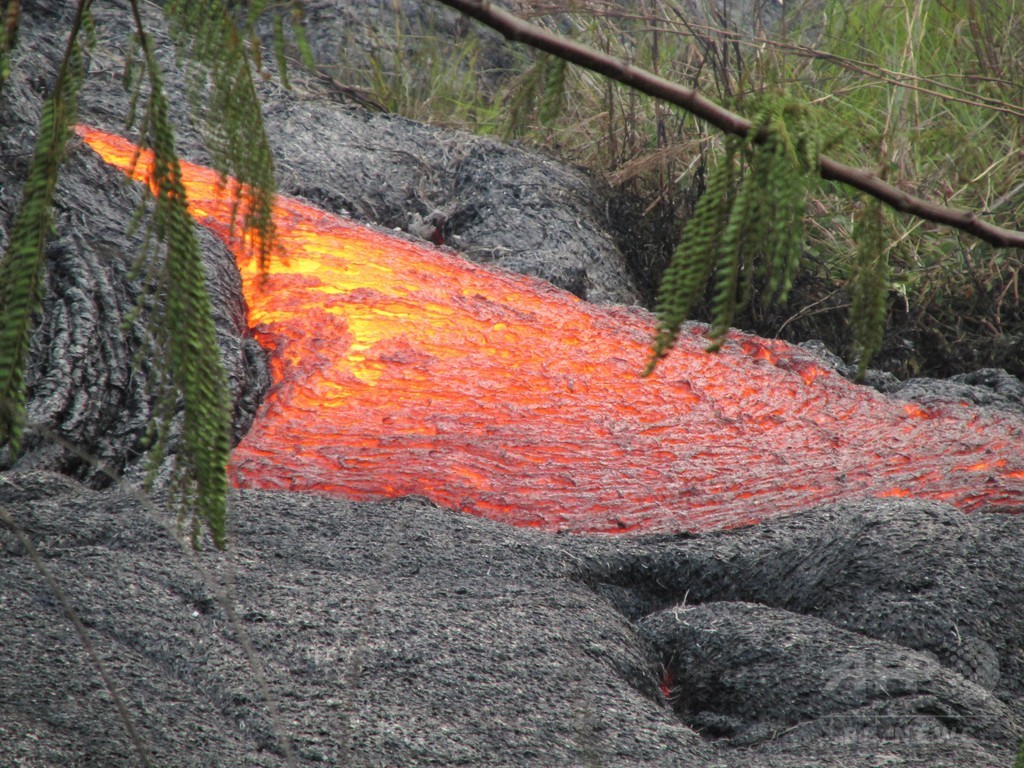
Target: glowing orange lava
[(402, 369)]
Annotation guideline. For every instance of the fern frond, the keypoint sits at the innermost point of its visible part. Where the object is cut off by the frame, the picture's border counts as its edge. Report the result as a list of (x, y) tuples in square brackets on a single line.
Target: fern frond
[(754, 231), (10, 16), (784, 188), (724, 301), (684, 280), (554, 89), (299, 31), (183, 330), (21, 270), (728, 256), (223, 95), (524, 97), (279, 55), (132, 79), (869, 280)]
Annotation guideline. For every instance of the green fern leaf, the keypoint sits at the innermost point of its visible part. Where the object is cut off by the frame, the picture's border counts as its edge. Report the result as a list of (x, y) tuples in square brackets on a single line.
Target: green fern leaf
[(524, 98), (10, 17), (183, 333), (684, 280), (748, 225), (869, 284), (223, 95), (21, 270), (554, 89)]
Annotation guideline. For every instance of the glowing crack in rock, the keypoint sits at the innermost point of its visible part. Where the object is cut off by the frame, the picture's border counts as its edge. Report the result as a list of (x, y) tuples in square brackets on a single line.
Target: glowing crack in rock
[(402, 369)]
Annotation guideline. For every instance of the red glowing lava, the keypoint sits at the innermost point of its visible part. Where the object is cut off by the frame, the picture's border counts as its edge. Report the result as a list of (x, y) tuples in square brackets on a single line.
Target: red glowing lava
[(402, 369)]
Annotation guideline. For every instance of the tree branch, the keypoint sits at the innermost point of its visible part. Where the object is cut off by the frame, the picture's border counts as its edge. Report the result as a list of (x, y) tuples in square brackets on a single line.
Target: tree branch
[(514, 28)]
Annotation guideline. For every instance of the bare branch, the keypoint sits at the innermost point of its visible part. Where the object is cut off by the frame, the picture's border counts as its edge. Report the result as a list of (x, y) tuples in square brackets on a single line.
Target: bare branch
[(514, 28)]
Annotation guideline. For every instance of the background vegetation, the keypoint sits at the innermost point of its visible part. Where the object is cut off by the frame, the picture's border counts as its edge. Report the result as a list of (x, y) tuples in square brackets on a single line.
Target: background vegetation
[(927, 93)]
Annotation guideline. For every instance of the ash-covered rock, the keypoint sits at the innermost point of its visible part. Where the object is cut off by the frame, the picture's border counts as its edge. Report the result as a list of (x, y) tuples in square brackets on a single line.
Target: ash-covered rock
[(399, 633), (988, 387), (90, 390), (491, 202), (863, 624)]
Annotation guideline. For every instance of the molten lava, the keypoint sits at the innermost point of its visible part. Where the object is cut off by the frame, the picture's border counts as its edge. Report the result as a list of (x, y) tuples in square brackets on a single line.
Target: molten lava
[(402, 369)]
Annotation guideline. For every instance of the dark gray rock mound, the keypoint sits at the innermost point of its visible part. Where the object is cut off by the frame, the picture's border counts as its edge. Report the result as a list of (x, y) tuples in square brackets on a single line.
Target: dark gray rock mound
[(389, 634), (491, 202), (752, 675), (90, 391), (989, 387), (398, 633), (847, 621)]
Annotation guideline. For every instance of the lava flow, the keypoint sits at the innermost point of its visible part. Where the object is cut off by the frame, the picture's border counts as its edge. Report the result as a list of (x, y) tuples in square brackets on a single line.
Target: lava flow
[(402, 369)]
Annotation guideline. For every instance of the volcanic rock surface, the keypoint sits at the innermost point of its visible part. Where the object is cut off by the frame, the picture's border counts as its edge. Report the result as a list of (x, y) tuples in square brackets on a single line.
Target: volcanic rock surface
[(398, 633), (401, 633)]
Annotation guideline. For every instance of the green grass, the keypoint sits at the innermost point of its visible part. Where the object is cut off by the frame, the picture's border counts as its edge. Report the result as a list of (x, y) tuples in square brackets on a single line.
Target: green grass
[(417, 74)]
